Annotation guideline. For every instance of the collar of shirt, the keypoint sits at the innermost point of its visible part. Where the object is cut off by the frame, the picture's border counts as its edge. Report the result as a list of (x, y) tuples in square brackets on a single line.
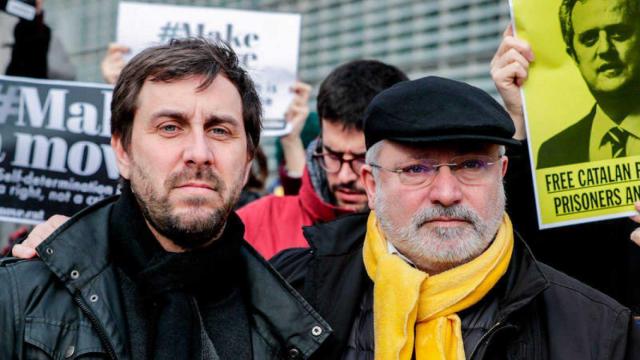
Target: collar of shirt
[(601, 125), (392, 250)]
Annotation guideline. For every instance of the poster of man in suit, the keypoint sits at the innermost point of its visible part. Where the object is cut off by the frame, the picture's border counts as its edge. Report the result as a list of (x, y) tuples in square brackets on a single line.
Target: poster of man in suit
[(582, 105), (602, 37)]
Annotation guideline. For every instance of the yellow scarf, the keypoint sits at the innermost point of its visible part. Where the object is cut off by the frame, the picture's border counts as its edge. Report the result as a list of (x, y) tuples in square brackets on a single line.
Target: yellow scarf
[(406, 298)]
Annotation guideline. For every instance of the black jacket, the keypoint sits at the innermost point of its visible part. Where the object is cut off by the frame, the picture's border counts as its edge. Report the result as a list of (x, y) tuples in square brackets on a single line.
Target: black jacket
[(542, 313), (68, 303), (570, 146)]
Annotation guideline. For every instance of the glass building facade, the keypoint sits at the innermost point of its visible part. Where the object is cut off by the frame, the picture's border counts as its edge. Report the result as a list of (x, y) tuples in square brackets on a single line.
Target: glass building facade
[(451, 38)]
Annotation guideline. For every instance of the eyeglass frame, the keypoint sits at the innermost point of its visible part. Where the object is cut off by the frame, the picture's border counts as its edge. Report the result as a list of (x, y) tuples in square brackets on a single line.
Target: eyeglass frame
[(454, 167), (318, 153)]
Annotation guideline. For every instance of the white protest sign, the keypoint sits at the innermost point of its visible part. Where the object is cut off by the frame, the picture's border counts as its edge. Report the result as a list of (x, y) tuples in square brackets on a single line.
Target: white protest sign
[(266, 43)]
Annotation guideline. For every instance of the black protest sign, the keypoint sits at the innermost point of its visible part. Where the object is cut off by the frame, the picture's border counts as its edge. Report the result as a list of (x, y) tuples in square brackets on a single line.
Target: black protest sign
[(55, 156)]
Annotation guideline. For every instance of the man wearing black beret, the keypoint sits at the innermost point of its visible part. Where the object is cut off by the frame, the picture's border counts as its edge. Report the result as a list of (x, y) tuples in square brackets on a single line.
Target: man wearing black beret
[(435, 271)]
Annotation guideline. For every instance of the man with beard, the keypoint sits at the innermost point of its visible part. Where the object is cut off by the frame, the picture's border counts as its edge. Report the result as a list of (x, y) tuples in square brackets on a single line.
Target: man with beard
[(162, 271), (331, 184), (435, 271), (603, 39)]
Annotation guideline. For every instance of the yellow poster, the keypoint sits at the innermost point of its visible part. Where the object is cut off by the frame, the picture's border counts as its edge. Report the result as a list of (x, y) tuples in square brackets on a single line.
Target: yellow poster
[(582, 106)]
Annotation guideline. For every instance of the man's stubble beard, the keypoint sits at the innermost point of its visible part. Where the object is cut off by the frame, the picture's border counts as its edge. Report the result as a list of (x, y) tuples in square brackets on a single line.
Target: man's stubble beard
[(424, 246), (196, 227)]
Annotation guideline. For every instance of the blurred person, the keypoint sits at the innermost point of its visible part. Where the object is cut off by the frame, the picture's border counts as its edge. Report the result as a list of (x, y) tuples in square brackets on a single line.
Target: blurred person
[(290, 148), (30, 47), (255, 186), (161, 271), (598, 253), (14, 237), (331, 184), (435, 270), (603, 39), (36, 52), (113, 62)]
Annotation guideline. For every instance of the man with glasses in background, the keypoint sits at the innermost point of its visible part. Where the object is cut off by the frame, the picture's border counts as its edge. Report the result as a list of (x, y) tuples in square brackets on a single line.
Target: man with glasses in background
[(331, 184), (435, 270)]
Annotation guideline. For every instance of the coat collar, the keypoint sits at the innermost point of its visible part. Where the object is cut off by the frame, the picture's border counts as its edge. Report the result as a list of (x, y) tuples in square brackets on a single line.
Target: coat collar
[(310, 201), (78, 254), (337, 247)]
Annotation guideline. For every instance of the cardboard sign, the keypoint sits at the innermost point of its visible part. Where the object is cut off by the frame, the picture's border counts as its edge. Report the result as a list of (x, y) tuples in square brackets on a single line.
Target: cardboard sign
[(581, 107), (55, 156), (266, 44)]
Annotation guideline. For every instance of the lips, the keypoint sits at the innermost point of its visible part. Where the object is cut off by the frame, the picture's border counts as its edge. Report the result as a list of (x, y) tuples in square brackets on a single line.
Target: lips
[(196, 186), (610, 67), (350, 195)]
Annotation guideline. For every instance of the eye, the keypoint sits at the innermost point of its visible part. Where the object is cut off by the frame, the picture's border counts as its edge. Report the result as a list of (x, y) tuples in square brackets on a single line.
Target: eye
[(472, 164), (417, 169), (621, 34), (169, 128), (220, 131), (589, 38)]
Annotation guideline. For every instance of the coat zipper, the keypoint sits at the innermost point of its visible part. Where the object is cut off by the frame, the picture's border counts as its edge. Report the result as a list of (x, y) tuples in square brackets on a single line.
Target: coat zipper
[(484, 337), (96, 325)]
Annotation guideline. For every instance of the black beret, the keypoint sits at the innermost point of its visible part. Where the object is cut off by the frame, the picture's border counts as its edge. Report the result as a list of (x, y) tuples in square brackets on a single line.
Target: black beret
[(433, 109)]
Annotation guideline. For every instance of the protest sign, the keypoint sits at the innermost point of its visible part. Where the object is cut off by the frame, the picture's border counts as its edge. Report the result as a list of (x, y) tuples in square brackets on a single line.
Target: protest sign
[(25, 9), (581, 107), (266, 44), (55, 156)]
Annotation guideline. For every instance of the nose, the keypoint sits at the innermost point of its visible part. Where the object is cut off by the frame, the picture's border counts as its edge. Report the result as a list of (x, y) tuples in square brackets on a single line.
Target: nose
[(445, 189), (198, 150), (605, 44), (346, 173)]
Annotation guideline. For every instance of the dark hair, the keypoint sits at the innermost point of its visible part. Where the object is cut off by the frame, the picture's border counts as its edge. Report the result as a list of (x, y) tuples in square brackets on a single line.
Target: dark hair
[(344, 95), (179, 60), (566, 20)]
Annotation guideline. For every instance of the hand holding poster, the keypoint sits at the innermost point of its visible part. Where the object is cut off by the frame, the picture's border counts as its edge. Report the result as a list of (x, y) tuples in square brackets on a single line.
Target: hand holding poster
[(266, 43), (55, 156), (582, 108)]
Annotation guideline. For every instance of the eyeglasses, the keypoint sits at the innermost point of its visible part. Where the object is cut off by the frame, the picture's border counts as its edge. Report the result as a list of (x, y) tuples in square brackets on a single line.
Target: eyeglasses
[(332, 162), (468, 169)]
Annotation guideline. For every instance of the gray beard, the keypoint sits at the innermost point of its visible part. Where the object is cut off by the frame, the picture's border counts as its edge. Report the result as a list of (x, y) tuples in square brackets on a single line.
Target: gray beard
[(422, 245)]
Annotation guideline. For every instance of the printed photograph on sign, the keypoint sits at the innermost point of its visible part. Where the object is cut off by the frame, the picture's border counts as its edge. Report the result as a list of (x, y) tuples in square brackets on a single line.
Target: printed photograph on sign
[(55, 152), (266, 43), (581, 106)]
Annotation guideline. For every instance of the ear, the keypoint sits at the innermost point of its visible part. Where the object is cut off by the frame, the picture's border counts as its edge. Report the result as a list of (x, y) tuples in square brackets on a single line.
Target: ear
[(504, 161), (369, 182), (122, 157), (571, 54), (247, 169)]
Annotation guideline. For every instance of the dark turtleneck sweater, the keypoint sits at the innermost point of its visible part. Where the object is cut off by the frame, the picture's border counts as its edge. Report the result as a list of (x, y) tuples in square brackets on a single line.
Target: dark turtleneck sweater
[(207, 282)]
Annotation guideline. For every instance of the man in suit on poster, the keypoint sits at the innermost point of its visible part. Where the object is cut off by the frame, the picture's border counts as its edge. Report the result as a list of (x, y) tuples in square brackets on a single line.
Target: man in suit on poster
[(606, 49)]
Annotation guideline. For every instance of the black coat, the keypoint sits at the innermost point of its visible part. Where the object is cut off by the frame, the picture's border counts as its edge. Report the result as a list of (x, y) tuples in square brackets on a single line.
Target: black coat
[(68, 302), (570, 146), (542, 313)]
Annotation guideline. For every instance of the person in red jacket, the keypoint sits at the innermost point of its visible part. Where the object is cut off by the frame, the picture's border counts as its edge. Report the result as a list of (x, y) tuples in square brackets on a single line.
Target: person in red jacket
[(330, 182)]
